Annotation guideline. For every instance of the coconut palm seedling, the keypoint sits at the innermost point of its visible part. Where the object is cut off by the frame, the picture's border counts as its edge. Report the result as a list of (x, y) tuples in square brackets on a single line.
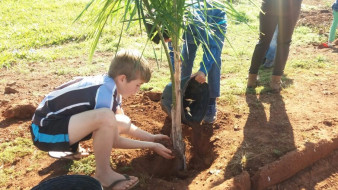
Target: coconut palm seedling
[(167, 18)]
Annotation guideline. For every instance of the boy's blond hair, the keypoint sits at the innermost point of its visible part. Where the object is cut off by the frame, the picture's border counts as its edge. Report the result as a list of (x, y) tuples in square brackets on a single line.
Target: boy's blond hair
[(130, 63)]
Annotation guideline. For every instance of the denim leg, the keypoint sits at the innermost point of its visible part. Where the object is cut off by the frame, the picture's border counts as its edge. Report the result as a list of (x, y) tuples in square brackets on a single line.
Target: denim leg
[(188, 57), (214, 75), (171, 54), (270, 55)]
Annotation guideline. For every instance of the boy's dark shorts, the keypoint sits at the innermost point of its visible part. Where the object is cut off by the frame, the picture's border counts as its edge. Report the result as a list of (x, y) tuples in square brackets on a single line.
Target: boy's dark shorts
[(54, 136)]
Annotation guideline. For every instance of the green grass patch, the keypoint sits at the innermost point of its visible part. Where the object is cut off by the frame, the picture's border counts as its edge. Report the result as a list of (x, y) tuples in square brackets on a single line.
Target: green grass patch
[(14, 150), (5, 175), (319, 62), (84, 166), (29, 27)]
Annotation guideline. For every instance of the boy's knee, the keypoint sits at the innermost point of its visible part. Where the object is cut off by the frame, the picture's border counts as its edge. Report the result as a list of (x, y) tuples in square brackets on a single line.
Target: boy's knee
[(104, 116)]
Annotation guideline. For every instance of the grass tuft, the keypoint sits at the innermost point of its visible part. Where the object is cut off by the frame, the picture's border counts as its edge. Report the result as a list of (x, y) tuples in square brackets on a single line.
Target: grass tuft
[(84, 166), (14, 150)]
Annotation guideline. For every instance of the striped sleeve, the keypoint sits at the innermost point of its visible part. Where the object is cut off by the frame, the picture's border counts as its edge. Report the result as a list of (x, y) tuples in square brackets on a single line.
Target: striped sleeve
[(104, 96)]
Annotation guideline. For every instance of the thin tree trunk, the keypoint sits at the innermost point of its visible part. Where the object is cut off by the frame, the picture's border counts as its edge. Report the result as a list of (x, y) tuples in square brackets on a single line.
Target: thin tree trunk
[(176, 130)]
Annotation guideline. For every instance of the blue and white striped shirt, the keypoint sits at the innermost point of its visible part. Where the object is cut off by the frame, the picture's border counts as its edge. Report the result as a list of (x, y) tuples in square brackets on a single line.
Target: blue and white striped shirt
[(76, 96)]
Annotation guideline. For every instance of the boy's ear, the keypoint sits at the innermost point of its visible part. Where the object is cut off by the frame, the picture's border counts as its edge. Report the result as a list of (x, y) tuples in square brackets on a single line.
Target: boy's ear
[(121, 78)]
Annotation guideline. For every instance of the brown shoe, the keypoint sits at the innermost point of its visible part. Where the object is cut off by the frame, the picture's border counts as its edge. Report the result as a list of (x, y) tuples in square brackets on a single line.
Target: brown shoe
[(276, 83), (252, 81)]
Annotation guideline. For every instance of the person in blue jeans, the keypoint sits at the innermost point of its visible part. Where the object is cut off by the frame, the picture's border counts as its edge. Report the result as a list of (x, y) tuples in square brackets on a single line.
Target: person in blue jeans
[(270, 55), (212, 41)]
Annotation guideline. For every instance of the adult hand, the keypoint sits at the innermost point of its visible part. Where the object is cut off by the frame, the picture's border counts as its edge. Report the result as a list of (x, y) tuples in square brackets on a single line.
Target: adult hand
[(162, 151), (199, 77), (167, 39)]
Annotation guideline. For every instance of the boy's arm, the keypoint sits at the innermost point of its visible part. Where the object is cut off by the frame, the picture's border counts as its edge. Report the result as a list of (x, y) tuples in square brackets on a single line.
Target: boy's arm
[(140, 134), (126, 143), (126, 127), (144, 135)]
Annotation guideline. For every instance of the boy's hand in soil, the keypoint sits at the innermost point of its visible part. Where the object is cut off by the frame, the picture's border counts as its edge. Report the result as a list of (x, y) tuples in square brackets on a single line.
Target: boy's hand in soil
[(162, 150)]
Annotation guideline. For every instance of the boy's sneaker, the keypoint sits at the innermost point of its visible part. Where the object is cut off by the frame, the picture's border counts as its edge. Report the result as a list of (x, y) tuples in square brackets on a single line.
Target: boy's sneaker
[(211, 114)]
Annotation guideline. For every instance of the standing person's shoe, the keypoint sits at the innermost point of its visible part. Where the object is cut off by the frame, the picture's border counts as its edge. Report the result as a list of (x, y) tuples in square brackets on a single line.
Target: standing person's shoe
[(211, 115), (326, 45), (276, 83), (252, 81)]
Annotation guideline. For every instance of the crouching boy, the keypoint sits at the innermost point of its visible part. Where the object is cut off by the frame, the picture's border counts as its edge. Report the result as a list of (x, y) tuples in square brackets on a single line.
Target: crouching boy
[(90, 107)]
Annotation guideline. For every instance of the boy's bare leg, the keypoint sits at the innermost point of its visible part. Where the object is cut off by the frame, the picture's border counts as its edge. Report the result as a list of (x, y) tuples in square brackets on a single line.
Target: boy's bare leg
[(102, 124)]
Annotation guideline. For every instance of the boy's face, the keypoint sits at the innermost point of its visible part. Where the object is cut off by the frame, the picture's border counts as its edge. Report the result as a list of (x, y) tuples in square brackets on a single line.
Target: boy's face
[(127, 89)]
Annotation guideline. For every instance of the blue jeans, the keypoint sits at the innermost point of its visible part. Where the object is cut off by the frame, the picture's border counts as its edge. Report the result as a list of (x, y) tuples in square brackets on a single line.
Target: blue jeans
[(213, 56), (270, 55), (211, 36)]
